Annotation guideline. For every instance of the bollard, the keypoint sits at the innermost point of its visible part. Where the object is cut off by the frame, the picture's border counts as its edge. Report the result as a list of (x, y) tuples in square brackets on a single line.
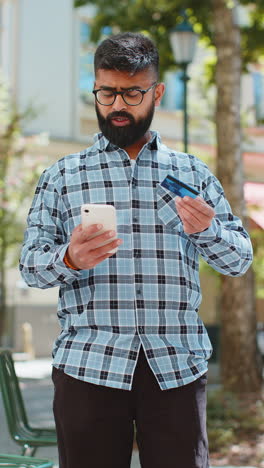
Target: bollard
[(27, 334)]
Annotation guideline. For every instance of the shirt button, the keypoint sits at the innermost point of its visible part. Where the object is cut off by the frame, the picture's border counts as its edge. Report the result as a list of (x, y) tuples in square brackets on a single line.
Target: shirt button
[(135, 220), (141, 329), (138, 291)]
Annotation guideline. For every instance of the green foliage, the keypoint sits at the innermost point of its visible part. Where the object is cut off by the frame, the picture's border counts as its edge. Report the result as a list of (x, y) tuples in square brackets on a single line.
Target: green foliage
[(252, 35), (156, 18), (18, 173), (257, 237), (232, 421)]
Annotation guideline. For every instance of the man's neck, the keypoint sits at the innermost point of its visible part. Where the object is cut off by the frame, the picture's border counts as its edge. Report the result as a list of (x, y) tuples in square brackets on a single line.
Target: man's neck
[(134, 149)]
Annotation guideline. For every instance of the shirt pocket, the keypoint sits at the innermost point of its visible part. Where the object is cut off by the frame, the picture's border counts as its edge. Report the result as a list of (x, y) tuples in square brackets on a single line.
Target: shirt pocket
[(166, 209)]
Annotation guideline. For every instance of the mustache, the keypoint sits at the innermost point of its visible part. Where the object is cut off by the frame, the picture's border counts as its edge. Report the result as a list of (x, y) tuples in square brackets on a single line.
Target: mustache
[(124, 114)]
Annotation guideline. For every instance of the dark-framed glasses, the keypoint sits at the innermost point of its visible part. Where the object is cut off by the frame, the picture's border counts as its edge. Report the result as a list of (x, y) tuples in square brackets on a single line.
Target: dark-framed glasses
[(132, 97)]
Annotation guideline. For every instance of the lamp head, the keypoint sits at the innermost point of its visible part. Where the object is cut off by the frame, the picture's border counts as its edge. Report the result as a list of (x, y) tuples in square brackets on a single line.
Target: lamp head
[(183, 41)]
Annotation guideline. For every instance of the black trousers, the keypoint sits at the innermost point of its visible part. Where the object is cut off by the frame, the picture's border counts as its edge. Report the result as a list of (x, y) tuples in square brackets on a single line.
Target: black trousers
[(95, 424)]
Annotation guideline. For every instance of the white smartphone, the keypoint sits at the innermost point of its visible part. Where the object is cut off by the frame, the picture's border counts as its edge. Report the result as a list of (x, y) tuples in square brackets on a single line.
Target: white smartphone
[(94, 213)]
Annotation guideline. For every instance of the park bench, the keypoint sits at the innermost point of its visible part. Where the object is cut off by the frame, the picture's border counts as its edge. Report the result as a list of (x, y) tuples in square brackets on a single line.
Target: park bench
[(17, 461), (30, 438)]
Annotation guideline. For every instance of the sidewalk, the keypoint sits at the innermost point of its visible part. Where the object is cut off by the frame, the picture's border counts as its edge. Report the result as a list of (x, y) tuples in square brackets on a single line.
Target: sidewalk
[(36, 386)]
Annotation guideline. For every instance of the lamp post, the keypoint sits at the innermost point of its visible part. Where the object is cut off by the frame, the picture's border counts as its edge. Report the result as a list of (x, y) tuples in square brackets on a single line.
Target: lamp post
[(183, 41)]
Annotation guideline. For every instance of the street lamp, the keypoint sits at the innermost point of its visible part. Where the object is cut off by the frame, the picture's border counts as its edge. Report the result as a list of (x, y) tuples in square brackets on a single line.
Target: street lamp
[(183, 42)]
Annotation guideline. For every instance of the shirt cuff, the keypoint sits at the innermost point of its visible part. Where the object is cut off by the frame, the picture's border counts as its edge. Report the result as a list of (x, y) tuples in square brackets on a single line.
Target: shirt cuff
[(211, 234), (61, 267)]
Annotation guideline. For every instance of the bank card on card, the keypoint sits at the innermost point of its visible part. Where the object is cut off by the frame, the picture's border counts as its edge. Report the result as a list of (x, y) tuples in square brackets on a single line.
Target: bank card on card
[(179, 188)]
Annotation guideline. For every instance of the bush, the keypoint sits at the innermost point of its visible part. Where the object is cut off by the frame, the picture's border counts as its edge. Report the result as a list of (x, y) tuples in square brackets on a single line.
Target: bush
[(232, 421)]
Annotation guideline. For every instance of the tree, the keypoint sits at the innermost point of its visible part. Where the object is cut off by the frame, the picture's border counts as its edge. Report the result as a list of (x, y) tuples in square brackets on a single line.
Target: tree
[(216, 21), (156, 18), (18, 175), (238, 334)]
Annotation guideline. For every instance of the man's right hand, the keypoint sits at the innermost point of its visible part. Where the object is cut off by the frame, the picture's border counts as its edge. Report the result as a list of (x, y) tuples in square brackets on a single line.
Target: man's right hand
[(84, 253)]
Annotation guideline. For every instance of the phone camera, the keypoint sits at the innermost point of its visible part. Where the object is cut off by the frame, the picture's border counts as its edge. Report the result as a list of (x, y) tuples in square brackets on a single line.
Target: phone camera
[(87, 211)]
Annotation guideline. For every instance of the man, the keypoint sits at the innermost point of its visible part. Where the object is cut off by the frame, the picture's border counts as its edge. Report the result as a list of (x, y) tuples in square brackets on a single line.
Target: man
[(132, 347)]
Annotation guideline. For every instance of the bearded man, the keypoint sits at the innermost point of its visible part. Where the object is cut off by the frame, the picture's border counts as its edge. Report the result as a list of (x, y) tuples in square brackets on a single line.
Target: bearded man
[(132, 348)]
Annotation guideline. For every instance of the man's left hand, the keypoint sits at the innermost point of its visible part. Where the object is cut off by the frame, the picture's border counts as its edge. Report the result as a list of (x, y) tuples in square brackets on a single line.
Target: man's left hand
[(195, 213)]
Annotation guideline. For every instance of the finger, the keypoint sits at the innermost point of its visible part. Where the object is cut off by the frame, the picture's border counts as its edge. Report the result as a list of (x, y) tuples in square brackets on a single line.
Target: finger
[(191, 219), (84, 258), (198, 201), (98, 260), (76, 230), (200, 216), (196, 205), (97, 241), (104, 250), (188, 228), (194, 216), (191, 224), (88, 231)]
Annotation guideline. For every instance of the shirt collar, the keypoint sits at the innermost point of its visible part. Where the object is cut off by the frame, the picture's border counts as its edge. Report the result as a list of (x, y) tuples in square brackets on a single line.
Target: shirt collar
[(103, 144)]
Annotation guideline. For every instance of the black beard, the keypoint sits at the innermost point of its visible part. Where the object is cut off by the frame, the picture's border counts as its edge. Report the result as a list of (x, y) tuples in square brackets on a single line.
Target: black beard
[(127, 135)]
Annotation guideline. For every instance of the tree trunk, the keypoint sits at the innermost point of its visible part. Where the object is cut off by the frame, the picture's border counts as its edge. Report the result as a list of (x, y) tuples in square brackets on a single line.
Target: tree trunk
[(240, 363)]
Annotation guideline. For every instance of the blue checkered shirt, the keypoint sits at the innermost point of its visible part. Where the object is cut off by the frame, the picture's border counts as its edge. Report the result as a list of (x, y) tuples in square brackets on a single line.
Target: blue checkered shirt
[(148, 293)]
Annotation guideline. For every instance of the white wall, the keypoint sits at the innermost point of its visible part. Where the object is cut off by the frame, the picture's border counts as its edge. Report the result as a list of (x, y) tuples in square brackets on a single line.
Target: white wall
[(46, 69), (8, 41)]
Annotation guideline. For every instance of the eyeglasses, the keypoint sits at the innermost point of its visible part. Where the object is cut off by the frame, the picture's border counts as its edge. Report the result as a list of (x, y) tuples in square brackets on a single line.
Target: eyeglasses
[(132, 97)]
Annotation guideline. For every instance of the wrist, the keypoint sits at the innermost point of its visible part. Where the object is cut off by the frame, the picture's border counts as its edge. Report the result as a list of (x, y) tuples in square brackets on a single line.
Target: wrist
[(68, 262)]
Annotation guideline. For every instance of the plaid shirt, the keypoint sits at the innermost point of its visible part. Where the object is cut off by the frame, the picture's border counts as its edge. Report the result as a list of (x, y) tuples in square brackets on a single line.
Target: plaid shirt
[(148, 293)]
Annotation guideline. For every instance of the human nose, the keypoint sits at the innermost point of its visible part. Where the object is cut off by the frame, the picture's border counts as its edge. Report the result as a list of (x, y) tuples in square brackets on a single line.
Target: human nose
[(119, 103)]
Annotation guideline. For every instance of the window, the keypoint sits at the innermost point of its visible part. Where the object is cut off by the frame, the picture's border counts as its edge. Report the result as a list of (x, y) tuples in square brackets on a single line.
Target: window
[(86, 74), (173, 98), (258, 87)]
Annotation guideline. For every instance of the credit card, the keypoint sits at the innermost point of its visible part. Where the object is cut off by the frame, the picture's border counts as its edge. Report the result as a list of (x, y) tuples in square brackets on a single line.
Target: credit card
[(179, 188)]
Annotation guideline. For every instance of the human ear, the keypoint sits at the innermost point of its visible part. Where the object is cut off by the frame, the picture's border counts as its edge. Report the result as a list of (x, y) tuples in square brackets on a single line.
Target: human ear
[(159, 91)]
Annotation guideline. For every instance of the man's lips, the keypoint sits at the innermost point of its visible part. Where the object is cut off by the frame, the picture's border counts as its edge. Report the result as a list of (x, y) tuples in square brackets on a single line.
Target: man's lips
[(120, 121)]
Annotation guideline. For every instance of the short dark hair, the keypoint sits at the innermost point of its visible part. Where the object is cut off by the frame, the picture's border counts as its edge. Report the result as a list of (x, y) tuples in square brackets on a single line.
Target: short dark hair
[(127, 52)]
